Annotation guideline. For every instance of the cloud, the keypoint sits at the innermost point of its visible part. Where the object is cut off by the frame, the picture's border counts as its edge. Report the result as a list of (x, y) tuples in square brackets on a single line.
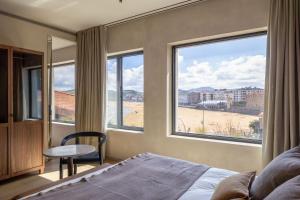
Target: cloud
[(243, 71), (180, 58), (133, 79), (64, 78), (111, 75)]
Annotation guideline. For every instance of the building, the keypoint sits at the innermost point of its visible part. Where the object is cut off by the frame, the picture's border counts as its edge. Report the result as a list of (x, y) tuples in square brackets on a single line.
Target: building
[(194, 98), (64, 106), (255, 101), (207, 96), (183, 97), (240, 95)]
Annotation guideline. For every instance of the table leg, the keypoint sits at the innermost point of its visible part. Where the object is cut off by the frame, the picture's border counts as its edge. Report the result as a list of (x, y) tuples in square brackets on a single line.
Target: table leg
[(70, 166)]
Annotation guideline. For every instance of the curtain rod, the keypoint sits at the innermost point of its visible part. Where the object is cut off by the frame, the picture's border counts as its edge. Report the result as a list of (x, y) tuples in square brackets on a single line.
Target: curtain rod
[(154, 12), (121, 21)]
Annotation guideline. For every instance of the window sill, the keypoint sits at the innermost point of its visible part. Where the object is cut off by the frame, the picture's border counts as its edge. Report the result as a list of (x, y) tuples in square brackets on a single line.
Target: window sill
[(215, 141), (116, 130), (63, 123)]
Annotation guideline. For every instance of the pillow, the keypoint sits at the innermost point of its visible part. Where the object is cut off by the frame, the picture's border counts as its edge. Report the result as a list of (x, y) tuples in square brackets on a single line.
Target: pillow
[(282, 168), (234, 187), (289, 190)]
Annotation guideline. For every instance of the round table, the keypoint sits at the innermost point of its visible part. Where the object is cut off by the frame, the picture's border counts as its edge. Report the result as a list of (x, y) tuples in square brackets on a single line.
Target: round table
[(69, 151)]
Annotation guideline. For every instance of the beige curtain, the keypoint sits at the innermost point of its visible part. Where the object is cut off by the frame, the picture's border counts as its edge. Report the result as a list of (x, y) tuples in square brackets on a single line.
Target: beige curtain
[(90, 80), (18, 89), (282, 94)]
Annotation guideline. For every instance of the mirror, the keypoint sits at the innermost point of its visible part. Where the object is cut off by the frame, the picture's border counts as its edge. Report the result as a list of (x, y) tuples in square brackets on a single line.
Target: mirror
[(27, 86)]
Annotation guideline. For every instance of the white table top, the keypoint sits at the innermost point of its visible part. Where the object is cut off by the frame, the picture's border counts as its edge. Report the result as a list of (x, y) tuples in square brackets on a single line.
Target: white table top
[(69, 150)]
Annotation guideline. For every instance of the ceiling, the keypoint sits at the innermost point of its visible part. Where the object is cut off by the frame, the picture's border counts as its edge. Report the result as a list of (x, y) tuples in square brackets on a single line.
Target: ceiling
[(75, 15)]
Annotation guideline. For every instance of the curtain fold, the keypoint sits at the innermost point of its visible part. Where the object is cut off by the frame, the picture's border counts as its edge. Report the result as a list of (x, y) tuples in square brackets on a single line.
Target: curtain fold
[(282, 89), (18, 92), (90, 81)]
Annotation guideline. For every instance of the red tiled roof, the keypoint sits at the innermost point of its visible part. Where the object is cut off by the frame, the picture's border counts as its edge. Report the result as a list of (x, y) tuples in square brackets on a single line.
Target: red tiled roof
[(64, 104)]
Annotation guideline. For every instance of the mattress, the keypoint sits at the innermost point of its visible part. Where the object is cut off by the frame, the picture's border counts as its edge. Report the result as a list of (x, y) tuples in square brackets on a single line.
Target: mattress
[(202, 188)]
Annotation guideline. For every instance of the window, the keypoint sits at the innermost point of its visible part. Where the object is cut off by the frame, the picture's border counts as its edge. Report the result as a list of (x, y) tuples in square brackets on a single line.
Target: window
[(64, 93), (125, 91), (218, 88)]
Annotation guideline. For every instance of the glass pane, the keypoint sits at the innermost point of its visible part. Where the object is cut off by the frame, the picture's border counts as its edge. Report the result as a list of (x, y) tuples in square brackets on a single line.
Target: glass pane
[(64, 93), (27, 86), (35, 93), (112, 93), (3, 86), (133, 90), (221, 88)]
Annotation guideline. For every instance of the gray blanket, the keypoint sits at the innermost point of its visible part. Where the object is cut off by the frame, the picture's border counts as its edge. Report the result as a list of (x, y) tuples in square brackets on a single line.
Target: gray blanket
[(143, 177)]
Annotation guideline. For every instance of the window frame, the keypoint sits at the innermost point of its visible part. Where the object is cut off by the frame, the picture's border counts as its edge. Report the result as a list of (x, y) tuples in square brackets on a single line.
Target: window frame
[(119, 58), (63, 64), (174, 88)]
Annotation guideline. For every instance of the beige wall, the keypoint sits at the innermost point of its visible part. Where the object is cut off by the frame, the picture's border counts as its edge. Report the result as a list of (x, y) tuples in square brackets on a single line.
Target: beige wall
[(155, 34), (59, 131), (64, 55), (27, 35)]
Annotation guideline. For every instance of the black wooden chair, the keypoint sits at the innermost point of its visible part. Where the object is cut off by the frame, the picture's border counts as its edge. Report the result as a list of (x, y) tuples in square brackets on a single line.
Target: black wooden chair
[(85, 159)]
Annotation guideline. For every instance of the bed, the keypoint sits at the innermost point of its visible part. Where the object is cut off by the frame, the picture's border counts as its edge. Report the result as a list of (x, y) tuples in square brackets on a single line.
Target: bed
[(145, 176)]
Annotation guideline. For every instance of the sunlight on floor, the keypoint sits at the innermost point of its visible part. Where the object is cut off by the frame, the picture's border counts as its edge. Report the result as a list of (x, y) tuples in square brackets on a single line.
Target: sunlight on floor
[(54, 175), (21, 184)]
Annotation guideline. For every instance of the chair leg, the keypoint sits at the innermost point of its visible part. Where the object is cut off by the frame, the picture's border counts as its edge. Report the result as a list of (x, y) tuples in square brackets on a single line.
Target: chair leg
[(75, 168), (100, 160), (60, 171)]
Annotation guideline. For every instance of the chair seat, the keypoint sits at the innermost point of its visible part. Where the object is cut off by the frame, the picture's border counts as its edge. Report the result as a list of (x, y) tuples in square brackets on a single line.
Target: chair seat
[(91, 157)]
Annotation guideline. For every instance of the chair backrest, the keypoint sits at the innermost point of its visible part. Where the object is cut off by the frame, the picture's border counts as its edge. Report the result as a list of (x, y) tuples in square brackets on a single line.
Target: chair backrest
[(101, 138)]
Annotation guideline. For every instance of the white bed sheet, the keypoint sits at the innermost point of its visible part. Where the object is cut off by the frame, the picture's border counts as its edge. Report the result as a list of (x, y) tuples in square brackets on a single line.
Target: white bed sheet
[(205, 186), (202, 189)]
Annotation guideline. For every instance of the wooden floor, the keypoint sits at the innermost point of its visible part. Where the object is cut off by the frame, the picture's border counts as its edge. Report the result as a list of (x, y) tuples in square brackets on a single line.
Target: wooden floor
[(18, 185)]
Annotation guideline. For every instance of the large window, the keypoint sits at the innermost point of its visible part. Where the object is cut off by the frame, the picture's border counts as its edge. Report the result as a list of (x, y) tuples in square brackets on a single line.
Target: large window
[(64, 93), (125, 91), (219, 88)]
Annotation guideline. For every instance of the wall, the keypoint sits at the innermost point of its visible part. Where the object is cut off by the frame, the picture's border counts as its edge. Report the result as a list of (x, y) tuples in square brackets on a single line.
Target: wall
[(59, 131), (64, 54), (155, 34), (23, 34)]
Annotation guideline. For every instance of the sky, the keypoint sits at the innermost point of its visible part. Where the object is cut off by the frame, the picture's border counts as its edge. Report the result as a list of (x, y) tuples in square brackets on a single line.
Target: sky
[(133, 73), (226, 64), (64, 78)]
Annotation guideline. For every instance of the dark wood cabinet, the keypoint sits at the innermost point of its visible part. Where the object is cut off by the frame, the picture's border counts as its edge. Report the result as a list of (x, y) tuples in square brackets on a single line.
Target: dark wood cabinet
[(21, 111)]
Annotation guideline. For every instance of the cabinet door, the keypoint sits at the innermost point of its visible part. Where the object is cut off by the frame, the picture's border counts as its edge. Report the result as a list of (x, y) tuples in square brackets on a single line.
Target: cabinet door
[(3, 151), (27, 146), (4, 172), (27, 124)]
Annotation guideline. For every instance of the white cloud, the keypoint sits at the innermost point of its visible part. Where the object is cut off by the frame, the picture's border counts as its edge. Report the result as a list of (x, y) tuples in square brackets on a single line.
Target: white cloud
[(111, 75), (133, 79), (180, 59), (235, 73), (64, 78)]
